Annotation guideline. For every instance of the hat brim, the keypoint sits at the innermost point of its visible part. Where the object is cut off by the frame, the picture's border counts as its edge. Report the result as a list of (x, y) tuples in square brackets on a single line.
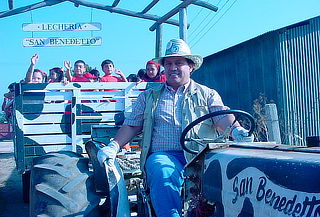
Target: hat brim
[(194, 58)]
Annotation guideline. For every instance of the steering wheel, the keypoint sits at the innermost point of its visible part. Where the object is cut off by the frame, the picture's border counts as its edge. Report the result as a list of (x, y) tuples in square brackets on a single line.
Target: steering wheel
[(183, 138)]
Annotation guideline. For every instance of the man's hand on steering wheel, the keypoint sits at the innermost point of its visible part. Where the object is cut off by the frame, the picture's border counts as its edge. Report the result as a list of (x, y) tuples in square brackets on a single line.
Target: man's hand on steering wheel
[(239, 134)]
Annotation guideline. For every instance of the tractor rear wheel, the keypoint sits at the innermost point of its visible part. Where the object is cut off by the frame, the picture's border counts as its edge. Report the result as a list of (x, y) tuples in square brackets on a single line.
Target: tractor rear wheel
[(61, 185)]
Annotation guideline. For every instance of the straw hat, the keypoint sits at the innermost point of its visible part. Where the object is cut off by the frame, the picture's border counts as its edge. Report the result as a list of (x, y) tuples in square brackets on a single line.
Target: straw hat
[(179, 48)]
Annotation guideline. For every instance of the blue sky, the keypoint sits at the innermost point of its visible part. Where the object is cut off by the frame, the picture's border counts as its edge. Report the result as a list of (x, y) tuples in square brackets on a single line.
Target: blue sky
[(127, 40)]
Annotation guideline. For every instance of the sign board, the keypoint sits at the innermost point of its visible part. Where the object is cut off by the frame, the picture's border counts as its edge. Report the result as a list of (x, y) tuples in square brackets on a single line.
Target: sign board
[(53, 27), (62, 41)]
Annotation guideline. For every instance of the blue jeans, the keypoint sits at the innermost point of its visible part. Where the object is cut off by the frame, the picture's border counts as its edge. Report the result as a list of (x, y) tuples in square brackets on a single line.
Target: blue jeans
[(165, 178)]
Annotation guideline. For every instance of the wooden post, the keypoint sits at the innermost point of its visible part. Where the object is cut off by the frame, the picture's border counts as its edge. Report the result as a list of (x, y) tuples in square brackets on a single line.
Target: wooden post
[(10, 2), (272, 122), (183, 24), (158, 41)]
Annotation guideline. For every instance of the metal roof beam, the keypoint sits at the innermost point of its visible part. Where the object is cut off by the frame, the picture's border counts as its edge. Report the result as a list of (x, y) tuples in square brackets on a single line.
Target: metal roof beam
[(115, 3), (153, 3), (171, 13), (123, 11), (29, 8), (205, 5)]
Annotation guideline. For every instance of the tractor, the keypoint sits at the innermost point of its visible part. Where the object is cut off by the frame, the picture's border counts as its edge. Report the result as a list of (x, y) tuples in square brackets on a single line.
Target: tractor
[(224, 178)]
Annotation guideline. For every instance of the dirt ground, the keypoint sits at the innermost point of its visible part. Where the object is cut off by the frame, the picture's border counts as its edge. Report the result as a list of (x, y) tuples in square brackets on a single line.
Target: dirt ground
[(11, 203)]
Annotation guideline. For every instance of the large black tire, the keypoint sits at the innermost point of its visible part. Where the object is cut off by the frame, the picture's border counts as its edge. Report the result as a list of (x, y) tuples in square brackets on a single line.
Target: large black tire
[(61, 185)]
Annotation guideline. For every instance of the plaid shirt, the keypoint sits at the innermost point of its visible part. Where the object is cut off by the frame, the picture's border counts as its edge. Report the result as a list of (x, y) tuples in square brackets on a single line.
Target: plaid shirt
[(168, 116)]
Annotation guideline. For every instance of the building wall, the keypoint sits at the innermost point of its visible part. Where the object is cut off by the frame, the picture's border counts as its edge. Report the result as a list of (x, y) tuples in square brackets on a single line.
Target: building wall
[(300, 79), (242, 72), (283, 66)]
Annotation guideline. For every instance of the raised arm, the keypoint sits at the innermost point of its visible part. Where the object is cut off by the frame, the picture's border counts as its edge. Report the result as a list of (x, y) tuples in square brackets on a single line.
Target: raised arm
[(67, 65), (34, 60), (118, 72)]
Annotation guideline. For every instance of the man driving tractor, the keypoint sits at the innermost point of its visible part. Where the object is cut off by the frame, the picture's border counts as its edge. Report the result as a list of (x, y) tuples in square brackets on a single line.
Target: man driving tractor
[(161, 114)]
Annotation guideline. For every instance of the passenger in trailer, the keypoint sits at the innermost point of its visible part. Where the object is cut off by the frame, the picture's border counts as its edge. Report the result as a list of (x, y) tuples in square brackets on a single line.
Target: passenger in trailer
[(35, 75), (79, 70), (7, 104), (56, 75), (108, 68), (141, 74), (93, 75), (153, 73)]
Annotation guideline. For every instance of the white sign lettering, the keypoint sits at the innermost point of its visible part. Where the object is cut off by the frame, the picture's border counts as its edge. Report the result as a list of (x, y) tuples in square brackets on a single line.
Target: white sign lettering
[(52, 27), (60, 42)]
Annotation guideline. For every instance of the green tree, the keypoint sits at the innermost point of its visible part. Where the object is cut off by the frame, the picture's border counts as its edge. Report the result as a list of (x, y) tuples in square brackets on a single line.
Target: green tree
[(3, 118)]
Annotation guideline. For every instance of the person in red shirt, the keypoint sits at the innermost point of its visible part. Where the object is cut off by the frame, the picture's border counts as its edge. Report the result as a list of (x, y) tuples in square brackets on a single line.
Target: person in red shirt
[(153, 73), (108, 68), (79, 70), (93, 75)]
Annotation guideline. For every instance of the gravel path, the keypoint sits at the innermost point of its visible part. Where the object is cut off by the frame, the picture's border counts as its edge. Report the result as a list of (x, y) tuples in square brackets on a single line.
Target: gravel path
[(11, 203)]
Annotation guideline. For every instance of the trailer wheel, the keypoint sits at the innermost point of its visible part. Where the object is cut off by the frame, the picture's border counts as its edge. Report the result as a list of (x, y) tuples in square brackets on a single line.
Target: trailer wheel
[(61, 185)]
